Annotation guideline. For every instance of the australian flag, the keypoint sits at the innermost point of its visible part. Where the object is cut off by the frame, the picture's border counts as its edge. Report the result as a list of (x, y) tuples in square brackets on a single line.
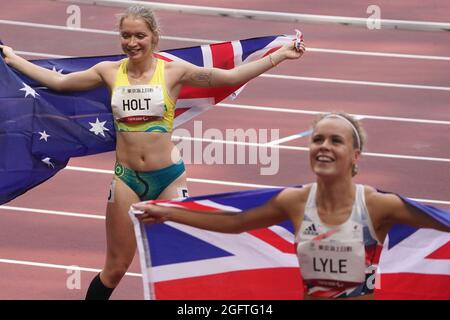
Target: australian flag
[(183, 262), (40, 129)]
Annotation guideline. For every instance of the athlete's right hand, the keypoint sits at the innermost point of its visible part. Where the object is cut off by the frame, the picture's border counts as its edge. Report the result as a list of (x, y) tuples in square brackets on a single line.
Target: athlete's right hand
[(8, 52), (151, 213)]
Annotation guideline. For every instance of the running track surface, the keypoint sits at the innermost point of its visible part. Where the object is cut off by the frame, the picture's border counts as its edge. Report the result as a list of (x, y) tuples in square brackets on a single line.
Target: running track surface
[(61, 240)]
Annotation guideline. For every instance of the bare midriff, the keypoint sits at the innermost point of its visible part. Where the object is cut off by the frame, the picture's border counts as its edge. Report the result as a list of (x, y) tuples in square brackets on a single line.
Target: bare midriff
[(146, 151)]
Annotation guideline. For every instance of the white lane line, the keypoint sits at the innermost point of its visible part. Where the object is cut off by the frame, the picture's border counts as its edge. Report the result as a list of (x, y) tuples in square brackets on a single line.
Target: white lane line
[(97, 31), (290, 138), (58, 266), (377, 155), (319, 50), (41, 55), (295, 148), (274, 15), (195, 180), (93, 170), (56, 27), (379, 54), (313, 79), (208, 41), (310, 112), (401, 156), (207, 181), (53, 212), (231, 183), (357, 82), (431, 201)]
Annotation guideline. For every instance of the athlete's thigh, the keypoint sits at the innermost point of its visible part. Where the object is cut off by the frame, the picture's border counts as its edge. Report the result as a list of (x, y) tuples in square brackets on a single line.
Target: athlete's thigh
[(177, 189), (119, 227)]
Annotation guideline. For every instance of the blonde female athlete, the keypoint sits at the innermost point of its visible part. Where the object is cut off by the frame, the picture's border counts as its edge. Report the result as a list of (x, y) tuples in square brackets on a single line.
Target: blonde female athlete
[(144, 91), (337, 223)]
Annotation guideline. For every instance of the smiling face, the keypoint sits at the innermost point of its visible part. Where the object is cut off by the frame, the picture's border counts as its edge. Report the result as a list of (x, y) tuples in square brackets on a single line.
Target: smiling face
[(137, 39), (332, 151)]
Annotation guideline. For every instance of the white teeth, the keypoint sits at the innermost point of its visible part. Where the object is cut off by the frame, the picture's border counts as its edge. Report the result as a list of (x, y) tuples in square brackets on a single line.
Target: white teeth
[(324, 159)]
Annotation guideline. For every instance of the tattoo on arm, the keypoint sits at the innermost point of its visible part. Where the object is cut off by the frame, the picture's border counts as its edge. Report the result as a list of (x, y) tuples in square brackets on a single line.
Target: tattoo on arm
[(202, 78)]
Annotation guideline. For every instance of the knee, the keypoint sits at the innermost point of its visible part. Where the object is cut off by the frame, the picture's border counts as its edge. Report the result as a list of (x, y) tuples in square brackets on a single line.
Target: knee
[(113, 273)]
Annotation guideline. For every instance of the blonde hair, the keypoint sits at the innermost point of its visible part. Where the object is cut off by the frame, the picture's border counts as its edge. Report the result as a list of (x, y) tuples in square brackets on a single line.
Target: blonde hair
[(142, 12), (358, 133)]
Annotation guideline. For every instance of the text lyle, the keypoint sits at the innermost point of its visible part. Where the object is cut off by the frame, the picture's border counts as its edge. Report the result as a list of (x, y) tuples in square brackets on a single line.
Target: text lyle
[(327, 265)]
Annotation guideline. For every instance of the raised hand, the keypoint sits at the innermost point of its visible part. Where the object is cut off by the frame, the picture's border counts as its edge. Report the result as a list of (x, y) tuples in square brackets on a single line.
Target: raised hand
[(8, 52)]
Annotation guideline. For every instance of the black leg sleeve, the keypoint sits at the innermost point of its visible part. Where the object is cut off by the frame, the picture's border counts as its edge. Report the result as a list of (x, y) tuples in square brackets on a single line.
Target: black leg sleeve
[(97, 290)]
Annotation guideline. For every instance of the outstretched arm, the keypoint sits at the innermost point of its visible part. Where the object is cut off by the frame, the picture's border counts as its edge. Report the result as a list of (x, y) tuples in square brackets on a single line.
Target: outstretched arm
[(76, 81), (227, 222), (390, 210), (214, 77)]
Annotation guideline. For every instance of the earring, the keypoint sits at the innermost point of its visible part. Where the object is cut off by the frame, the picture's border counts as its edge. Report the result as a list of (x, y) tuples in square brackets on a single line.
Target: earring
[(354, 170)]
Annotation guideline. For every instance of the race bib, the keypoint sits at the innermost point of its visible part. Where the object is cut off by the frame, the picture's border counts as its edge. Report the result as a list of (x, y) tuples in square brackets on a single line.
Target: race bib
[(138, 103), (332, 263)]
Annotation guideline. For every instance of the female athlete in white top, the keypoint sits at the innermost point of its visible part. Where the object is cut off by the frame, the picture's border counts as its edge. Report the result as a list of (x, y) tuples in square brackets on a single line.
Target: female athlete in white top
[(345, 220)]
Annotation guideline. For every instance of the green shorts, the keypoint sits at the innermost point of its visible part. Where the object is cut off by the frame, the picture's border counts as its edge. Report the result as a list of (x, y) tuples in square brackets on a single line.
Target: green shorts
[(149, 185)]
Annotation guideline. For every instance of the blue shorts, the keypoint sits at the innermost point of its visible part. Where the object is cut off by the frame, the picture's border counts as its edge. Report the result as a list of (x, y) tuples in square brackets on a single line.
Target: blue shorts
[(149, 185)]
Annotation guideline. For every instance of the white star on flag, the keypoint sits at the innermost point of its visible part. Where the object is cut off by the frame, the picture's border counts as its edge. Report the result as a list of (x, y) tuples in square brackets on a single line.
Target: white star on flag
[(48, 162), (44, 135), (29, 90), (98, 127), (58, 71)]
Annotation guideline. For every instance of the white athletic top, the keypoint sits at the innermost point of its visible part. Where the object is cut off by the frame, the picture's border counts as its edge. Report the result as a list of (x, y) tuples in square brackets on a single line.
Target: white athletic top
[(337, 261)]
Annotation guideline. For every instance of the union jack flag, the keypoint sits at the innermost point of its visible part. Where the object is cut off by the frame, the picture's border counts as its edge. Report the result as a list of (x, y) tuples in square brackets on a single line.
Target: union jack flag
[(415, 263), (182, 262)]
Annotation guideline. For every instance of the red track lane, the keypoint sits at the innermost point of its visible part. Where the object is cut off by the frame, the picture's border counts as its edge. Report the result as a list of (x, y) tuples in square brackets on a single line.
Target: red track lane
[(65, 240)]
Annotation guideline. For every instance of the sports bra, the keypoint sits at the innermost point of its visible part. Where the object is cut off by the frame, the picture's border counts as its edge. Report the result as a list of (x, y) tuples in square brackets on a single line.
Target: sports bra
[(337, 261), (145, 108)]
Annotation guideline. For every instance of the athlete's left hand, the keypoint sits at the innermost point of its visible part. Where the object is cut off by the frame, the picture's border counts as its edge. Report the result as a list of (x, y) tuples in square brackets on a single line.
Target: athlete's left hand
[(295, 49)]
